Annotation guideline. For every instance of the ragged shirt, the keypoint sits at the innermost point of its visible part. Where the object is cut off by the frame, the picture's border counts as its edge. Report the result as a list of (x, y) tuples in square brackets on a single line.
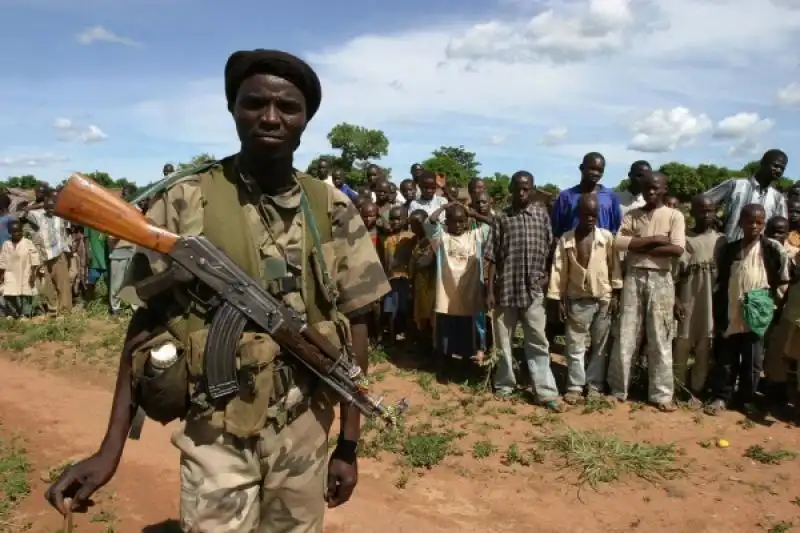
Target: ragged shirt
[(18, 261), (747, 274), (601, 275), (641, 222), (696, 280)]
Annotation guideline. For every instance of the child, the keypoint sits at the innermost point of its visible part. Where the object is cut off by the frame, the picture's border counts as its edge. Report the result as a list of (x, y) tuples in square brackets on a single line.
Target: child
[(481, 218), (78, 265), (792, 244), (409, 191), (777, 229), (19, 263), (671, 201), (696, 279), (369, 214), (475, 187), (383, 197), (586, 280), (752, 276), (653, 236), (396, 250), (459, 282), (428, 200), (423, 280), (338, 181), (393, 196)]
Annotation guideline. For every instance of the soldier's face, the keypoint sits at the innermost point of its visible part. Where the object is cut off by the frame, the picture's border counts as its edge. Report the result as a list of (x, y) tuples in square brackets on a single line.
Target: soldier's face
[(270, 116)]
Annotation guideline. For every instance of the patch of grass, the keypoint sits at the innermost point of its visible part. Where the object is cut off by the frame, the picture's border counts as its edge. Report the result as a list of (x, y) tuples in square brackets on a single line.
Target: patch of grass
[(427, 382), (597, 404), (523, 458), (54, 472), (781, 527), (424, 447), (377, 356), (543, 418), (602, 458), (23, 334), (775, 457), (444, 412), (483, 449), (14, 472)]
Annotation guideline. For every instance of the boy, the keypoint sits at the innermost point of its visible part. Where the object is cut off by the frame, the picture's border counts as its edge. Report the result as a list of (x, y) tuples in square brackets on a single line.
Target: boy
[(753, 275), (397, 249), (19, 264), (586, 280), (428, 200), (383, 197), (422, 272), (777, 229), (653, 237), (338, 181), (475, 187), (409, 191), (369, 214), (696, 279), (671, 201)]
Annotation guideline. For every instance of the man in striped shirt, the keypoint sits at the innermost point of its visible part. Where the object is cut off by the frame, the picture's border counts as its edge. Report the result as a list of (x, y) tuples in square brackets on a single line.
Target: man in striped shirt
[(734, 194), (54, 245)]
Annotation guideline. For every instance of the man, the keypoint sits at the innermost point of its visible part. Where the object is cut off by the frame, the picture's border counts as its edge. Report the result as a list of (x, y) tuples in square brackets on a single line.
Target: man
[(565, 210), (168, 169), (324, 171), (119, 257), (54, 244), (632, 197), (733, 194), (517, 251), (653, 236), (230, 481)]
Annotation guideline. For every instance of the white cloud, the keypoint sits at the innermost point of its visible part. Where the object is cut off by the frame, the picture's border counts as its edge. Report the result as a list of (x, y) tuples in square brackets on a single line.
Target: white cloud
[(666, 130), (98, 34), (745, 129), (67, 131), (32, 161), (497, 140), (595, 28), (789, 95), (742, 125), (554, 136)]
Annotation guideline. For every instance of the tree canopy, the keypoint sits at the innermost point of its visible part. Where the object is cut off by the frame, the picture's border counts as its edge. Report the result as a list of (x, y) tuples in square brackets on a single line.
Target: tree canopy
[(359, 146)]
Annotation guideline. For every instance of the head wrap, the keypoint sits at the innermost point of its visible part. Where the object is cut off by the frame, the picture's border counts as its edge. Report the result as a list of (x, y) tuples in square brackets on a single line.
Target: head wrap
[(245, 63)]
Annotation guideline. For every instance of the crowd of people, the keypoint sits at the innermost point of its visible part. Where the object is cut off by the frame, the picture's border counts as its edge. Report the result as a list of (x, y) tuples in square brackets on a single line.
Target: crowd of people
[(705, 309)]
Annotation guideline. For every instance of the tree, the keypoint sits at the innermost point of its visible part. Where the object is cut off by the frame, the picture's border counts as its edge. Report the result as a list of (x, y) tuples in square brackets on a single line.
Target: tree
[(21, 182), (102, 178), (497, 188), (196, 161), (358, 144), (550, 189), (313, 166), (455, 162)]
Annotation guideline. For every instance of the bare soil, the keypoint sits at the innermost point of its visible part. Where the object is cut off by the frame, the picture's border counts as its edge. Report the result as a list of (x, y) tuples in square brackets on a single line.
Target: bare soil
[(488, 469)]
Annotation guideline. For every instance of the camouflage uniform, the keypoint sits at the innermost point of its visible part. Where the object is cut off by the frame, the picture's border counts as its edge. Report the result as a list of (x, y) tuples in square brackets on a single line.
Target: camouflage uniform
[(273, 481)]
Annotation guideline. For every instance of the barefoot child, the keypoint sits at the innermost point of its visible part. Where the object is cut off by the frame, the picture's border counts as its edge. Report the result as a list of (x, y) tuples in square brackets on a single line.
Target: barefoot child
[(19, 263), (653, 236), (696, 279), (586, 280), (369, 214), (459, 282), (423, 281), (753, 274), (396, 250)]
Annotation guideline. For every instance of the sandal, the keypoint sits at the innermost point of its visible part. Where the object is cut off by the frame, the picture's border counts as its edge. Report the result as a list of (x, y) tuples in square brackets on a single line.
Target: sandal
[(715, 407), (666, 407), (573, 398), (554, 406)]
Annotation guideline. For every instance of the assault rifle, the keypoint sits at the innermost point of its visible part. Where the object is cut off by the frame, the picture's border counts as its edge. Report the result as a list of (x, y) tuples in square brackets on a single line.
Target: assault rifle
[(239, 300)]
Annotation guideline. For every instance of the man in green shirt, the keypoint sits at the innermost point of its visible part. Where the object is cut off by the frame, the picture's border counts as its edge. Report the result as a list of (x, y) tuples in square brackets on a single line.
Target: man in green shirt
[(98, 260)]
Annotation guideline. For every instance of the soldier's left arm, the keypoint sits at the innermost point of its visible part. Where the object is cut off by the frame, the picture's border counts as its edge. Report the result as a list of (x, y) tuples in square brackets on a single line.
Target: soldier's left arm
[(361, 281)]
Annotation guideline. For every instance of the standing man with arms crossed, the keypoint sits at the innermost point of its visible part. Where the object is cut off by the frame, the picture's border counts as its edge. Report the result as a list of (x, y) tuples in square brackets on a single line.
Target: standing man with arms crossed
[(255, 464)]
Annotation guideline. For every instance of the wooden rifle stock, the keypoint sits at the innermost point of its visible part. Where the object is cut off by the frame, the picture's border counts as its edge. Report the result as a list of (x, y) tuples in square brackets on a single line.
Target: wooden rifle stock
[(84, 202)]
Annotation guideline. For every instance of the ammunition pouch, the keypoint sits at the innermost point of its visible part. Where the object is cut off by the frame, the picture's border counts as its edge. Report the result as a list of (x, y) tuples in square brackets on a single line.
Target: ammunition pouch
[(163, 397)]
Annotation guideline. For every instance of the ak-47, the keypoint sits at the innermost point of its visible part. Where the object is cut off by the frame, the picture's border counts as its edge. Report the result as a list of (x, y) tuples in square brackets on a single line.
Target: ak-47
[(239, 300)]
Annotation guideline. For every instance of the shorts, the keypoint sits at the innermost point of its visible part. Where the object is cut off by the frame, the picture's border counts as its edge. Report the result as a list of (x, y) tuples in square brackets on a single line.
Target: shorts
[(397, 301), (95, 274)]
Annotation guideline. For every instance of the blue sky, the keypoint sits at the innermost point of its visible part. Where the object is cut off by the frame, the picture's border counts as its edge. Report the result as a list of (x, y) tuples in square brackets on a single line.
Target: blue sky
[(124, 86)]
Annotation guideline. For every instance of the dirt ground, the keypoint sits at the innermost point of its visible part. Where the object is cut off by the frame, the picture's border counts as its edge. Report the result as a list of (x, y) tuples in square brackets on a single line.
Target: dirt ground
[(464, 462)]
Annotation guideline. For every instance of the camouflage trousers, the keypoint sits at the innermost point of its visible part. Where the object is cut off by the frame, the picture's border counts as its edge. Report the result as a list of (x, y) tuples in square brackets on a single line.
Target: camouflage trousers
[(648, 299), (273, 483)]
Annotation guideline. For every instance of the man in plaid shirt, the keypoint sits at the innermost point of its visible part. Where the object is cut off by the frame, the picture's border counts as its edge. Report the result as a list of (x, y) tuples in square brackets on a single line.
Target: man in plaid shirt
[(517, 252)]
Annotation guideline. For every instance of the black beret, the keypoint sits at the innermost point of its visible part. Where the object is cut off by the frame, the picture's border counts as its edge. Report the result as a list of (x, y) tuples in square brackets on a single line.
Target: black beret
[(245, 63)]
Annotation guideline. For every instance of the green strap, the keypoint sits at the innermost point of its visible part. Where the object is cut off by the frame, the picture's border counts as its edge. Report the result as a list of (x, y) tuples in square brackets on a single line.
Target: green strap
[(167, 182), (319, 257)]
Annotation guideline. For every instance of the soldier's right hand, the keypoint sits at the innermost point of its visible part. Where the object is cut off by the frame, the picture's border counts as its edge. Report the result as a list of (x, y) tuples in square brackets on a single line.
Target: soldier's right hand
[(80, 481)]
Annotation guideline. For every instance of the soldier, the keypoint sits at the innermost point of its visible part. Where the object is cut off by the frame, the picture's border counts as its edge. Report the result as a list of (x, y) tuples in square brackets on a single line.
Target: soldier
[(257, 462)]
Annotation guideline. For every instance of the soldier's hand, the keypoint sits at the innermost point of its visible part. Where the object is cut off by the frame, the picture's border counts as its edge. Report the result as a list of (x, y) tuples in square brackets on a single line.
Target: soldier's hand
[(80, 481), (342, 480)]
